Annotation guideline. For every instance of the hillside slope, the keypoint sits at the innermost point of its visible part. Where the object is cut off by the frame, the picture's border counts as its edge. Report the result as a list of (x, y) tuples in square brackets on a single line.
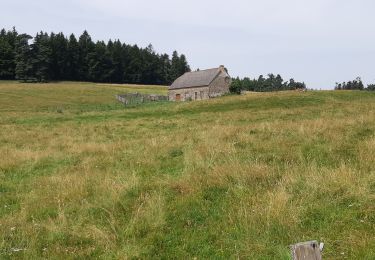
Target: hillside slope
[(238, 176)]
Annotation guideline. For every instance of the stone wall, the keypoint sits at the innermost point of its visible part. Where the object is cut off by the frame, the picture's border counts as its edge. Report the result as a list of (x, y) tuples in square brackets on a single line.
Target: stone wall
[(137, 98), (187, 94), (220, 85)]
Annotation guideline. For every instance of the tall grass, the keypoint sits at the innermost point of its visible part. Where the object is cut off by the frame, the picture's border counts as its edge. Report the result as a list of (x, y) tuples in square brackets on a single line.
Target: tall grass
[(235, 177)]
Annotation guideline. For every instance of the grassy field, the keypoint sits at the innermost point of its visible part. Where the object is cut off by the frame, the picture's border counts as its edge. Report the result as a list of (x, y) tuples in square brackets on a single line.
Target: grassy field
[(235, 177)]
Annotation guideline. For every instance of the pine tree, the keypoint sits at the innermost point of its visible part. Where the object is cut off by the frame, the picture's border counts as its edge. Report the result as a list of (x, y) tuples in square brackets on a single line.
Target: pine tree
[(116, 55), (41, 57), (86, 47), (183, 65), (54, 57), (150, 70), (59, 46), (7, 53), (99, 63), (23, 70), (174, 72), (134, 69), (72, 59), (165, 65)]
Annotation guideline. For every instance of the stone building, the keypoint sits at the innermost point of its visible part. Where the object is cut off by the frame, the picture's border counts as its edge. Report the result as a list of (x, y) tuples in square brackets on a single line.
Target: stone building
[(199, 85)]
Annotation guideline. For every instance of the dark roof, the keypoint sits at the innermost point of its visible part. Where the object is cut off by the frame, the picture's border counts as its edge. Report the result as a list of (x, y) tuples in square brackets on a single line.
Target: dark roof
[(196, 79)]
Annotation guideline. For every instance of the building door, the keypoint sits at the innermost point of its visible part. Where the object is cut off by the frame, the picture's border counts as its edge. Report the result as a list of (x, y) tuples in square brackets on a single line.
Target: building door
[(196, 95), (178, 97)]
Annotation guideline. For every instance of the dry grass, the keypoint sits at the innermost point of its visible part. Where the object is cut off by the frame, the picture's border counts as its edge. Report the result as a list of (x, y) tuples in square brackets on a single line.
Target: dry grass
[(240, 176)]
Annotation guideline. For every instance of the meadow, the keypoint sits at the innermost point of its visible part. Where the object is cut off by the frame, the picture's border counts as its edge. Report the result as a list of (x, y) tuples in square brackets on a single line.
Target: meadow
[(82, 176)]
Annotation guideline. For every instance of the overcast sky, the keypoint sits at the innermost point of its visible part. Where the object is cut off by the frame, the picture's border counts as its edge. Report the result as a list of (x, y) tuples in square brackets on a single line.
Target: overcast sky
[(316, 41)]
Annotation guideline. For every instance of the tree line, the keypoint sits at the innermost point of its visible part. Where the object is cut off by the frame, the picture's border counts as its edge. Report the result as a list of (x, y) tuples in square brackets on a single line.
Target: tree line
[(356, 84), (265, 84), (55, 57)]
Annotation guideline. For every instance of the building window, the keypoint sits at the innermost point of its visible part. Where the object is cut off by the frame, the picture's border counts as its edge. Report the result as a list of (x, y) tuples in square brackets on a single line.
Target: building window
[(178, 97)]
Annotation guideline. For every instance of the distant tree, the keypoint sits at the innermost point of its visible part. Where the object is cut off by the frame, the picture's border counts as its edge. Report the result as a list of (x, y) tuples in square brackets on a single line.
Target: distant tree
[(41, 57), (278, 85), (262, 84), (356, 84), (183, 65), (151, 70), (179, 65), (371, 87), (165, 64), (86, 47), (246, 84), (7, 53), (23, 70), (293, 85), (359, 84), (55, 57), (72, 59), (174, 72), (115, 52), (59, 51), (100, 64), (236, 86), (134, 67)]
